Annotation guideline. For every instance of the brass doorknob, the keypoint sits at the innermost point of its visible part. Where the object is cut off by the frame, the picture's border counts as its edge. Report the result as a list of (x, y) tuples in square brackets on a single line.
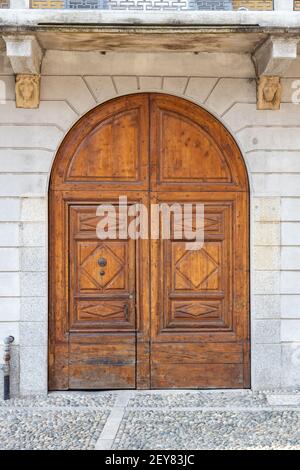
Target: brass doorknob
[(102, 262)]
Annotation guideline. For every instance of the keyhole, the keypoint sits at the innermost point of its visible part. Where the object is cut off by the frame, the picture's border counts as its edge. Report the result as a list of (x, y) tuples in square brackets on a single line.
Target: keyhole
[(102, 273)]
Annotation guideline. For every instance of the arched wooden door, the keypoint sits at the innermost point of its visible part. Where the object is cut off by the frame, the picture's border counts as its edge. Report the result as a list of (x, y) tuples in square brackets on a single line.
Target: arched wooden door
[(128, 313)]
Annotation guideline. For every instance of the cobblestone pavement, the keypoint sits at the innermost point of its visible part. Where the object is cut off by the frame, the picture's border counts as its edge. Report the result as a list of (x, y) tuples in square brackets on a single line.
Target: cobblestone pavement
[(152, 420)]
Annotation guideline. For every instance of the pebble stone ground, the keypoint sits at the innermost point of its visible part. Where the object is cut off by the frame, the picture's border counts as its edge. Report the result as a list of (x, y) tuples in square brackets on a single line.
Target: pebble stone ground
[(151, 420)]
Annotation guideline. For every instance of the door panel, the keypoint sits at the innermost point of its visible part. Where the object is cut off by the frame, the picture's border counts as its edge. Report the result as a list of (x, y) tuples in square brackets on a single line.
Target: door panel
[(198, 300), (197, 376), (102, 277), (106, 330), (107, 149), (102, 301), (100, 326), (111, 151), (190, 150), (101, 362)]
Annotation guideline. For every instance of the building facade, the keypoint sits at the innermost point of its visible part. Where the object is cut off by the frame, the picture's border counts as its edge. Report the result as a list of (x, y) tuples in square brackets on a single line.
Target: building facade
[(241, 67)]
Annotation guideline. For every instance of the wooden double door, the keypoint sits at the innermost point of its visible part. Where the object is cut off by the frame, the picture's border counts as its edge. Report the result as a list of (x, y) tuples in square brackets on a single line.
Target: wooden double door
[(130, 312)]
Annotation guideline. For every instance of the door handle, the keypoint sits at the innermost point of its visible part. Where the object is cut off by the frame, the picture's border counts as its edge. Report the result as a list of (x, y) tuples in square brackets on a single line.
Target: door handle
[(102, 262), (126, 312)]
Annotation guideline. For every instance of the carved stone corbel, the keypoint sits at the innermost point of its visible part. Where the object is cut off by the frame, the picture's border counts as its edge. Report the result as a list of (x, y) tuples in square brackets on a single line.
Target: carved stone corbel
[(268, 93), (271, 60), (27, 91), (25, 56)]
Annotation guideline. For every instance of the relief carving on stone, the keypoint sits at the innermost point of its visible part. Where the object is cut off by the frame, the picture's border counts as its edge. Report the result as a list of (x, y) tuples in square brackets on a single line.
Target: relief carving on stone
[(27, 91), (269, 93)]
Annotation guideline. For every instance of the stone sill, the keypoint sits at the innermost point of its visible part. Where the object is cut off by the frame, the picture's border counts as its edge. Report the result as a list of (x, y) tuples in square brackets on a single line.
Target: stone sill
[(217, 20)]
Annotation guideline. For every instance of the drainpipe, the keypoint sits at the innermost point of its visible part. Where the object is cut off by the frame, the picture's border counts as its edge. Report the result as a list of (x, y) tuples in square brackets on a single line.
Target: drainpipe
[(6, 366)]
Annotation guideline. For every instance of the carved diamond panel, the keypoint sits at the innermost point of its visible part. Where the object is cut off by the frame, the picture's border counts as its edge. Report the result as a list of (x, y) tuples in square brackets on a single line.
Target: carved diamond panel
[(104, 311), (197, 309), (91, 276), (199, 269), (197, 313)]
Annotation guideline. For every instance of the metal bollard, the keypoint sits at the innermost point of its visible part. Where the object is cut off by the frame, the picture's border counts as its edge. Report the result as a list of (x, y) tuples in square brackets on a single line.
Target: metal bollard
[(6, 366)]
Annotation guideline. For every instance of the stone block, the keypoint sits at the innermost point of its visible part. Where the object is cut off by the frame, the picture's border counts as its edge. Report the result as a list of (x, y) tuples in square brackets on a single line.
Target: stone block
[(229, 91), (291, 366), (266, 332), (150, 83), (175, 85), (290, 207), (266, 366), (56, 113), (34, 309), (266, 209), (266, 258), (290, 258), (264, 138), (290, 306), (9, 284), (9, 209), (33, 364), (33, 234), (9, 234), (71, 89), (246, 114), (266, 184), (33, 284), (126, 84), (25, 160), (290, 233), (9, 259), (266, 306), (283, 399), (199, 88), (23, 184), (266, 234), (7, 88), (274, 161), (43, 137), (33, 334), (33, 259), (266, 282), (290, 282), (102, 87), (290, 330), (33, 209), (9, 309), (276, 184)]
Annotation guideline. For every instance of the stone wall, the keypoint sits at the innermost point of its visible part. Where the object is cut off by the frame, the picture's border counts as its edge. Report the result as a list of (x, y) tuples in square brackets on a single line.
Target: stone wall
[(73, 83)]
